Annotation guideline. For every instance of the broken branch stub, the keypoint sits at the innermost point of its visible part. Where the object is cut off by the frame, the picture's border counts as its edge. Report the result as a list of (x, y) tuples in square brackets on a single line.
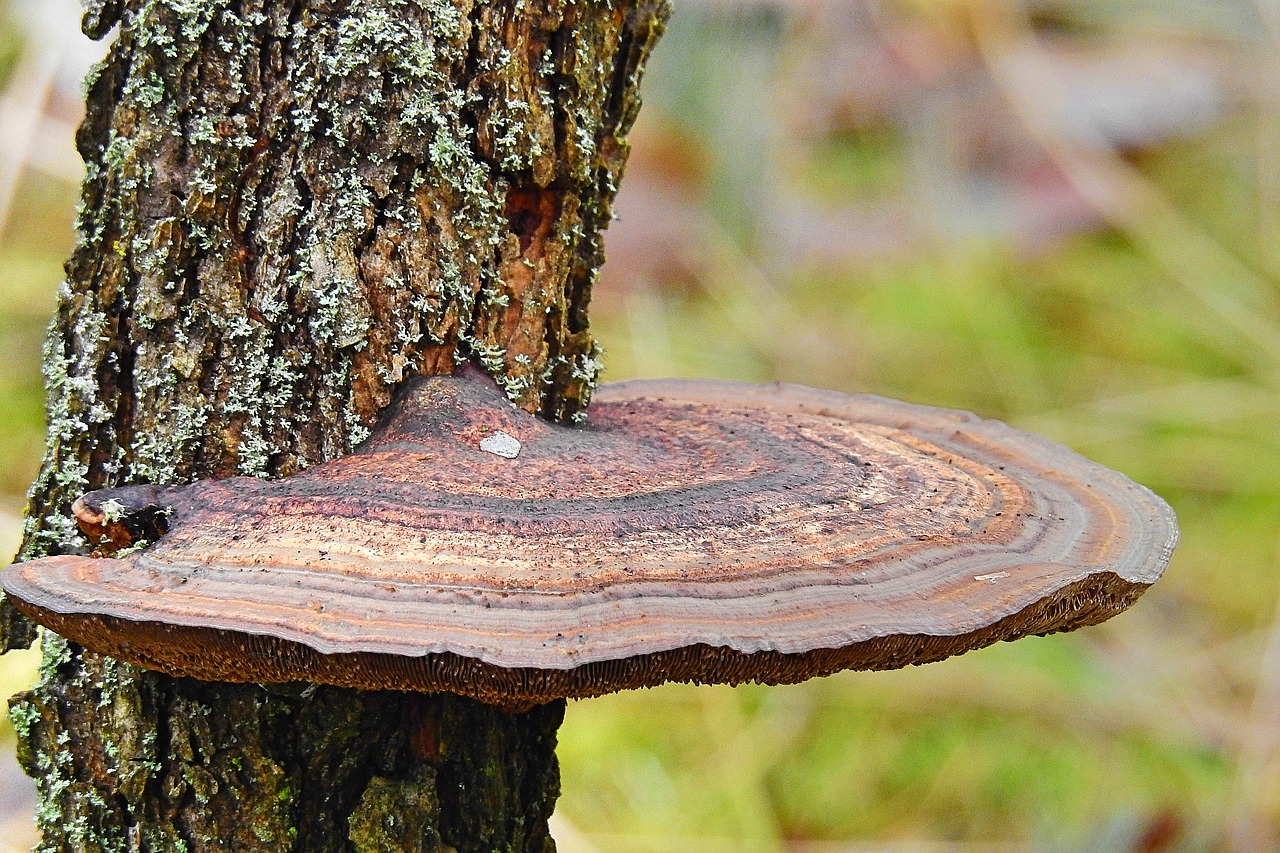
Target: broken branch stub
[(694, 531)]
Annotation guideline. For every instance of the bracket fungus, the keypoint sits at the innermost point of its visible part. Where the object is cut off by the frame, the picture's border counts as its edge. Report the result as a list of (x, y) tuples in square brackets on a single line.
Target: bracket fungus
[(693, 531)]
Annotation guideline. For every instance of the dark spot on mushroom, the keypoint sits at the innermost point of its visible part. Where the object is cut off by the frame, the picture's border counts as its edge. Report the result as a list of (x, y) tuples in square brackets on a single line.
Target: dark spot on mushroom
[(115, 519)]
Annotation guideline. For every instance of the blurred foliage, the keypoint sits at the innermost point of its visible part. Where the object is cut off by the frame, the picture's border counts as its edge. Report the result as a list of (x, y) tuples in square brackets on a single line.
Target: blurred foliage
[(10, 43), (36, 242), (1153, 732)]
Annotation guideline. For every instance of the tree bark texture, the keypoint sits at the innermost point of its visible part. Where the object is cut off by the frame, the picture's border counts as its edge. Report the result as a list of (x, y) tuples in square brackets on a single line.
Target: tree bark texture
[(289, 208)]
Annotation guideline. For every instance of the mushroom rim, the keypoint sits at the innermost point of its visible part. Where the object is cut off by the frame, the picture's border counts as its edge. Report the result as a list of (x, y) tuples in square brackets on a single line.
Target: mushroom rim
[(231, 656), (536, 651)]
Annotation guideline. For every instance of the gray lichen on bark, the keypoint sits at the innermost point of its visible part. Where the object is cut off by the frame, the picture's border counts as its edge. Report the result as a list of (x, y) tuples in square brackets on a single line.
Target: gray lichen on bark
[(289, 207)]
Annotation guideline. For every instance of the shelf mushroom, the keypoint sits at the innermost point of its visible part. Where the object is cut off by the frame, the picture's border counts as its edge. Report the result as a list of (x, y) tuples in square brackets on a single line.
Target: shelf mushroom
[(694, 531)]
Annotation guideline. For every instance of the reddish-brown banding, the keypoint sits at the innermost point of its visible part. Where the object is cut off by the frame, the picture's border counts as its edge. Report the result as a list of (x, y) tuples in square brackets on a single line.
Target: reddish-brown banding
[(695, 531)]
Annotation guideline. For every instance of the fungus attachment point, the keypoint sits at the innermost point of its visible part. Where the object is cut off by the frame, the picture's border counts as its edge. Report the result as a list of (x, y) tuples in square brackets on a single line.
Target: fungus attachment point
[(694, 531)]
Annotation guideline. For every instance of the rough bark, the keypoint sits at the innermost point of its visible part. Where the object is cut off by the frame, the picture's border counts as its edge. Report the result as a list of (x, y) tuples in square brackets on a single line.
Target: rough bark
[(289, 208)]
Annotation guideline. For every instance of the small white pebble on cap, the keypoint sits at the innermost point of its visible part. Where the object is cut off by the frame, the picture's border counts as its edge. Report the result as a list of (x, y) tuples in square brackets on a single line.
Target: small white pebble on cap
[(501, 444)]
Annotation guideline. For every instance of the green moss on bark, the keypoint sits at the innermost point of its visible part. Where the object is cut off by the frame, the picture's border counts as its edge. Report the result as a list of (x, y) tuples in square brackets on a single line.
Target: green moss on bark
[(397, 817)]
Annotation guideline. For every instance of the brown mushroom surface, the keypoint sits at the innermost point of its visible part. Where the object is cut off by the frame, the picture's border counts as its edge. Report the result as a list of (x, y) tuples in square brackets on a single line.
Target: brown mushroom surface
[(694, 531)]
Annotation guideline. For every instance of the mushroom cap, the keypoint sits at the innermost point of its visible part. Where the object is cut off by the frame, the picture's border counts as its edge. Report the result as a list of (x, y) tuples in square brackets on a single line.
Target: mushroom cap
[(694, 531)]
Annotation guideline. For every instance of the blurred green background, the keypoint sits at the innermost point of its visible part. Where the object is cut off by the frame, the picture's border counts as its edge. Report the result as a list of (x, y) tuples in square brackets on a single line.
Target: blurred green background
[(1061, 214)]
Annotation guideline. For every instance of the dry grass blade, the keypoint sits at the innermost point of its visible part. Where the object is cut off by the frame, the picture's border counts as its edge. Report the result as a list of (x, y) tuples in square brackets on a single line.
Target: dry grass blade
[(21, 113), (1240, 297), (1267, 171), (1198, 402), (1250, 820)]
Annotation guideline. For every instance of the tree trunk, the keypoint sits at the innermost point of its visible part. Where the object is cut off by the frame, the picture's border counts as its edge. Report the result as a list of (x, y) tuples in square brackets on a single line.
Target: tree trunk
[(289, 208)]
